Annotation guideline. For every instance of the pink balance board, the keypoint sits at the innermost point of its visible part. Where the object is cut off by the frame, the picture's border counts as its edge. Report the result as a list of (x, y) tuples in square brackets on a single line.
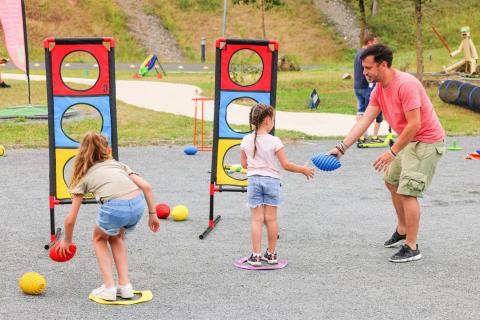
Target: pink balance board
[(242, 264)]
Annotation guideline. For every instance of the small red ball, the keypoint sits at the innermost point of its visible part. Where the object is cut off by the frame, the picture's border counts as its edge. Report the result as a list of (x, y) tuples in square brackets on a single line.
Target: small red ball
[(56, 257), (163, 210)]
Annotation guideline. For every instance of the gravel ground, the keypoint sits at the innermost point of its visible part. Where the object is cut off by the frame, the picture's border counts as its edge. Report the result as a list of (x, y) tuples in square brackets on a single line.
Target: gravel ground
[(332, 230)]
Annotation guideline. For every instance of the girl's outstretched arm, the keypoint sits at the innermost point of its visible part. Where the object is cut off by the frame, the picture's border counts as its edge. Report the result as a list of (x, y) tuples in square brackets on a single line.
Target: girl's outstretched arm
[(153, 221), (292, 167), (69, 225)]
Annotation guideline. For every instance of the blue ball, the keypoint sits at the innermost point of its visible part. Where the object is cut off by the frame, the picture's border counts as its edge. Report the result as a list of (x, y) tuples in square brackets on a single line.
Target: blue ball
[(191, 150), (478, 151), (326, 162)]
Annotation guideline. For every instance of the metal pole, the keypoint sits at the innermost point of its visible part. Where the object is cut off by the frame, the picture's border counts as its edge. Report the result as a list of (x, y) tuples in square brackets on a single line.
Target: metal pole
[(224, 17), (195, 124), (25, 41), (202, 49)]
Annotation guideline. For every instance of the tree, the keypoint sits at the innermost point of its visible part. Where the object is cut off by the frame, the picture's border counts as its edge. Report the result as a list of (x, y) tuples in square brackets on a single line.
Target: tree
[(419, 38), (263, 5), (374, 7), (363, 21)]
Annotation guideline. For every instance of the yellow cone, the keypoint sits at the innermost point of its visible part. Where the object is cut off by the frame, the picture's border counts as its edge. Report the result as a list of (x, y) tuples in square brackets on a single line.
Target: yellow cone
[(32, 283), (179, 213)]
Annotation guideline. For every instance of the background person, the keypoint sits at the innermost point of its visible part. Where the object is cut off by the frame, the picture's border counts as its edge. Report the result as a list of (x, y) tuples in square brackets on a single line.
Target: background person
[(362, 88)]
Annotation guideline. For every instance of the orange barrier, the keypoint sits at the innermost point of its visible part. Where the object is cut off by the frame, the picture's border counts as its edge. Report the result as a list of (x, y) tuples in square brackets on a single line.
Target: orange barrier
[(201, 143)]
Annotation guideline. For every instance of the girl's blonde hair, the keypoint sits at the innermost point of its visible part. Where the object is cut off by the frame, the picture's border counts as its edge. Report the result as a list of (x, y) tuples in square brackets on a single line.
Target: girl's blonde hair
[(93, 149), (258, 113)]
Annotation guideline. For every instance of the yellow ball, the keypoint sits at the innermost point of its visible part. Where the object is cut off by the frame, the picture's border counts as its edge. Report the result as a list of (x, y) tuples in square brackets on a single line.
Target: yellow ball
[(32, 283), (179, 213), (2, 151)]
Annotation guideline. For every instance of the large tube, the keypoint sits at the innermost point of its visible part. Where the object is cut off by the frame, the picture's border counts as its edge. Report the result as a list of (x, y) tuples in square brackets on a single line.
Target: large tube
[(461, 94), (474, 99)]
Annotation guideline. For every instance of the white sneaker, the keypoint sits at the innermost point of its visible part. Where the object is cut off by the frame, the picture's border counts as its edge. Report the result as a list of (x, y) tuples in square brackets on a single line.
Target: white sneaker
[(109, 294), (125, 291)]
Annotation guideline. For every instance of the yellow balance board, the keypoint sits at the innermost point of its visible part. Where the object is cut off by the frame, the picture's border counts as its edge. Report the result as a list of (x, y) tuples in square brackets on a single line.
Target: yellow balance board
[(144, 297)]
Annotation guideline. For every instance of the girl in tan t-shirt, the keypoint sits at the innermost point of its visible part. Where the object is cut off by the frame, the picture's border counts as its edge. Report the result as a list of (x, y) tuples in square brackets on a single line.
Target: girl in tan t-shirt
[(96, 172)]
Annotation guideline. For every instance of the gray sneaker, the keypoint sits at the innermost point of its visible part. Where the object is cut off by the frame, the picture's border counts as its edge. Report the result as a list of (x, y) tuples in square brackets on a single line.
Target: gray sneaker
[(395, 240), (406, 254), (376, 139)]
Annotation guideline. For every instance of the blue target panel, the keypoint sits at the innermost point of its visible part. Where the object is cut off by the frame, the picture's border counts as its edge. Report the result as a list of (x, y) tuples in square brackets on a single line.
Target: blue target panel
[(62, 104), (226, 97)]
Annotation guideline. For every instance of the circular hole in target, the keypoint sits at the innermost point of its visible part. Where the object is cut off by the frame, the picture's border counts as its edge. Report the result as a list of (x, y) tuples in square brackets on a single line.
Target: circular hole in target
[(238, 114), (87, 118), (81, 61), (68, 170), (231, 164), (245, 67)]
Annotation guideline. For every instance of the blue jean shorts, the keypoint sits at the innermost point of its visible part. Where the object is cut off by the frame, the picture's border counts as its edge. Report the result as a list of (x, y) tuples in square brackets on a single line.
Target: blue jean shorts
[(263, 190), (119, 213), (363, 97)]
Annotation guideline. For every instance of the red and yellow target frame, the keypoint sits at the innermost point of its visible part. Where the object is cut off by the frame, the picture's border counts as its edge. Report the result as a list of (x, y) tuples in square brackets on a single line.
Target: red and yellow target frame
[(61, 97), (226, 91)]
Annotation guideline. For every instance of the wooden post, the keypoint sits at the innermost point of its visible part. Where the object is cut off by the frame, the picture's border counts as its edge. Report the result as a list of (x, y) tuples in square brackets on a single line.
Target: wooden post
[(419, 38)]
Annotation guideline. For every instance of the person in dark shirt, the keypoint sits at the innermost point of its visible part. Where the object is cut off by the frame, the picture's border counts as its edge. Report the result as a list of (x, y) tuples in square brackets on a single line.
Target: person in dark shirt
[(363, 88)]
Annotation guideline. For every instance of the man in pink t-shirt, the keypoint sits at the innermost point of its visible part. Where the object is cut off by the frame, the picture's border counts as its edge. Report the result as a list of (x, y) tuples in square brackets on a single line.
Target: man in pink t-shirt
[(410, 163)]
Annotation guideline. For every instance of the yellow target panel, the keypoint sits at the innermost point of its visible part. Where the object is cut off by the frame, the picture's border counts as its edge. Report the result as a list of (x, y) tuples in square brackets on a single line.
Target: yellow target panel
[(62, 156), (222, 178)]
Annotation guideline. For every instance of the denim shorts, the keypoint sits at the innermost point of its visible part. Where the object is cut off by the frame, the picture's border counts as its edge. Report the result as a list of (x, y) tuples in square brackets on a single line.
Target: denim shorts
[(120, 213), (363, 97), (263, 190)]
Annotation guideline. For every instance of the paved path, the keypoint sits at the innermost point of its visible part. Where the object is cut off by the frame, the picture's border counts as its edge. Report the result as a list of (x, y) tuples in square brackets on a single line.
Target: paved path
[(177, 99)]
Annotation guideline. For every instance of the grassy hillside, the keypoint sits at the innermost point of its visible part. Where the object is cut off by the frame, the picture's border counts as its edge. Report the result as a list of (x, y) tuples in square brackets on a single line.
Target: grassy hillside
[(395, 23), (306, 36), (76, 18), (302, 32)]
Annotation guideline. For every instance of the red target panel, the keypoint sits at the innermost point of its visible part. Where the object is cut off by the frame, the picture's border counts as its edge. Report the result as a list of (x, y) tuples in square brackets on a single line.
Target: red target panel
[(98, 51), (265, 52)]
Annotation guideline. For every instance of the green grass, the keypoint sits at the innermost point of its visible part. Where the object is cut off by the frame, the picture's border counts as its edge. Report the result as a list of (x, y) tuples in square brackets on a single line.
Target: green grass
[(136, 126), (139, 126)]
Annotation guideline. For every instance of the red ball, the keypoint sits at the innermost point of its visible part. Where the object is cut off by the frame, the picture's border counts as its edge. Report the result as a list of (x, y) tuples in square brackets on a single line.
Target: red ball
[(56, 257), (163, 210)]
